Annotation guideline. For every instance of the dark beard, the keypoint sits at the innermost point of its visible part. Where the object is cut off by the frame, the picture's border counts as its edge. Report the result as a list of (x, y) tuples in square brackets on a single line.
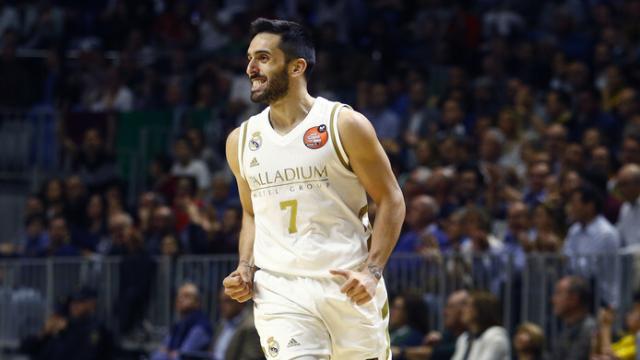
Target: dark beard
[(277, 89)]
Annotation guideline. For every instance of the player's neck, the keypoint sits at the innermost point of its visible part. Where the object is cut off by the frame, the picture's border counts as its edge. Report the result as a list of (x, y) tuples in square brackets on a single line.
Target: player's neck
[(287, 112)]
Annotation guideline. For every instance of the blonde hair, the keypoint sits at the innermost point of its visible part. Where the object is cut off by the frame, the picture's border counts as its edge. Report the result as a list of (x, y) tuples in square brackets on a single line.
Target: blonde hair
[(535, 334)]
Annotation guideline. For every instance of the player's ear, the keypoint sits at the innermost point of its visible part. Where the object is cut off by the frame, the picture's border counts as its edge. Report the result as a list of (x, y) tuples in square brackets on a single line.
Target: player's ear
[(298, 67)]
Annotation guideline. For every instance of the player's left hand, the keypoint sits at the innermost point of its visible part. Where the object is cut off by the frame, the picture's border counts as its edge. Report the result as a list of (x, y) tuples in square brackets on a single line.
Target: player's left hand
[(359, 286)]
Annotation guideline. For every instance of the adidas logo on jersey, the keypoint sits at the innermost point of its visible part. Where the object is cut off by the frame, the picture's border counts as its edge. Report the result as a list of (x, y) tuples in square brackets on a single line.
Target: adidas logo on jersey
[(254, 162), (293, 343)]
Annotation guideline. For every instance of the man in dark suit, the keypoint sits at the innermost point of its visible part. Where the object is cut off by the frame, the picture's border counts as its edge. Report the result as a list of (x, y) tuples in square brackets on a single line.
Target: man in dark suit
[(235, 336)]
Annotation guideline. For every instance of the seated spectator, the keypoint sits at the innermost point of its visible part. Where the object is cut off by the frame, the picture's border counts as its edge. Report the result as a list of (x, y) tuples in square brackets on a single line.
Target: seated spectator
[(202, 152), (235, 336), (548, 230), (160, 179), (571, 302), (120, 225), (421, 221), (45, 345), (407, 322), (162, 224), (95, 228), (628, 225), (535, 192), (436, 345), (53, 195), (59, 242), (75, 202), (484, 339), (518, 237), (72, 333), (87, 337), (191, 222), (192, 332), (186, 164), (93, 163), (624, 347), (528, 342), (37, 240), (224, 237)]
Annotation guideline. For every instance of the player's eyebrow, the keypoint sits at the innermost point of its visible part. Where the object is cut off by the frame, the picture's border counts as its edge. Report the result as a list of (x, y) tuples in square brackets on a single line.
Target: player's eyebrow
[(260, 51)]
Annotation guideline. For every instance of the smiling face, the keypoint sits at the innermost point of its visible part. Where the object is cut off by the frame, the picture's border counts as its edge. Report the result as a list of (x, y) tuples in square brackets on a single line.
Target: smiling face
[(267, 69)]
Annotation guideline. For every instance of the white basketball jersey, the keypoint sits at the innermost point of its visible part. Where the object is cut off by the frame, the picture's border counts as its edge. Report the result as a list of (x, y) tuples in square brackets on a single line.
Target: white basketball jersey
[(310, 209)]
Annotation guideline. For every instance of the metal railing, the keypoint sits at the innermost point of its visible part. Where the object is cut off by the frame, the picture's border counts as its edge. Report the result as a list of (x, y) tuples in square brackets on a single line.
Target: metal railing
[(29, 288)]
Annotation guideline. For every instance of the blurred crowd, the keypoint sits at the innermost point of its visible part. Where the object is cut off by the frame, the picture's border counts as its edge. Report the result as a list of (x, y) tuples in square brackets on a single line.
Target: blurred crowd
[(512, 126), (473, 328)]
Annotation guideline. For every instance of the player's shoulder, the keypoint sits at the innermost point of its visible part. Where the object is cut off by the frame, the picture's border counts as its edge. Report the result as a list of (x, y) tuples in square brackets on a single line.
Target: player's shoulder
[(234, 135), (353, 122)]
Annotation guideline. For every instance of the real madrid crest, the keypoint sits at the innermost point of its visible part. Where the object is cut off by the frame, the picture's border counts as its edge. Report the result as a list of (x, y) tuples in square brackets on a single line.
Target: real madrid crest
[(273, 347), (256, 141)]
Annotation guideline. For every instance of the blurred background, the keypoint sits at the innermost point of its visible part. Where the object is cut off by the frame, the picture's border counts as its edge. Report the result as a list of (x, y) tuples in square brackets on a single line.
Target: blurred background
[(513, 128)]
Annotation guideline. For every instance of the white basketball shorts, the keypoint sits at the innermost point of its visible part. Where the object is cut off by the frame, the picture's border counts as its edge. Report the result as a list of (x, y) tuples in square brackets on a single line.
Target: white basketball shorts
[(301, 316)]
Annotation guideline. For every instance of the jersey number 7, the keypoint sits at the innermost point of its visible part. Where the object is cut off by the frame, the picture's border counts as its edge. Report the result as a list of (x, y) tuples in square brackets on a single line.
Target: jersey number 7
[(293, 204)]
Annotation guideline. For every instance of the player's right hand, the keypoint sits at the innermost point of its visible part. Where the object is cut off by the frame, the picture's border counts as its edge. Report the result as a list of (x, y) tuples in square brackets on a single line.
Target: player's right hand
[(239, 284)]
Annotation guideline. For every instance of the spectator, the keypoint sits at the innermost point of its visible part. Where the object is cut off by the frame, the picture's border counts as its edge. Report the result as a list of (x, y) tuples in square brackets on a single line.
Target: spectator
[(59, 241), (87, 338), (225, 236), (630, 149), (518, 239), (115, 94), (134, 290), (95, 230), (202, 152), (484, 338), (421, 221), (37, 240), (570, 300), (628, 225), (407, 322), (625, 347), (535, 192), (47, 344), (592, 234), (186, 165), (72, 333), (75, 202), (235, 336), (160, 179), (93, 163), (528, 342), (441, 346), (162, 225), (53, 196), (192, 333), (548, 229)]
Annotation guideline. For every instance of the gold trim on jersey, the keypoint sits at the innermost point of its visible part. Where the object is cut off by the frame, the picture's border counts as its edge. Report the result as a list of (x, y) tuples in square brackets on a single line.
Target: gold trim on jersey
[(244, 125), (335, 138)]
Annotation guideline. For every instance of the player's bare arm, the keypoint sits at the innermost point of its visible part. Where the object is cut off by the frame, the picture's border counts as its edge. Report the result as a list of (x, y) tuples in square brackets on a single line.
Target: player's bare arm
[(370, 163), (239, 284)]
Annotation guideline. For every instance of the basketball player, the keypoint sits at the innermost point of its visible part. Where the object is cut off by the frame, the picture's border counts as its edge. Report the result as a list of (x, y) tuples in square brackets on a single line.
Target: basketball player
[(303, 167)]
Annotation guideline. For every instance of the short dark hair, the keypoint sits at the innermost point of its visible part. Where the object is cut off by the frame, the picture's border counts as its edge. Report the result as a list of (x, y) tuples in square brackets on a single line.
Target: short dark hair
[(487, 308), (295, 41), (590, 194), (581, 288)]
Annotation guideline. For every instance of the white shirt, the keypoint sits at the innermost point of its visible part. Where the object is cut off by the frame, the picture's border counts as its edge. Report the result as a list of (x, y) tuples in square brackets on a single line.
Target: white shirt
[(592, 250), (196, 168), (493, 344), (629, 223)]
